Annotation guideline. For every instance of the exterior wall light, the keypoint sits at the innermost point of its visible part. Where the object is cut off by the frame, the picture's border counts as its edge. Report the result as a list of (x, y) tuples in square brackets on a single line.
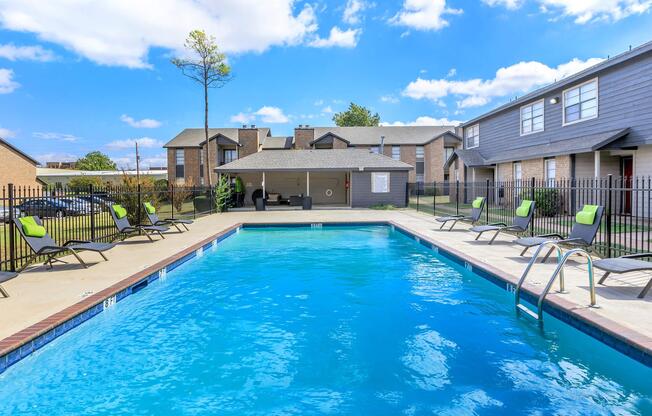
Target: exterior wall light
[(554, 100)]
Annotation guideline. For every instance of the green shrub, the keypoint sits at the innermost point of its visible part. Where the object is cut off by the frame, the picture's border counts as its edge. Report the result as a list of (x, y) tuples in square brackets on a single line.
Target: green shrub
[(383, 207), (222, 193), (548, 201)]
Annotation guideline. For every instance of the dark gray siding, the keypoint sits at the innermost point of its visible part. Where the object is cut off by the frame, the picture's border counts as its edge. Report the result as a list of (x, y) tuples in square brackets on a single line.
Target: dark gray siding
[(624, 100), (362, 197)]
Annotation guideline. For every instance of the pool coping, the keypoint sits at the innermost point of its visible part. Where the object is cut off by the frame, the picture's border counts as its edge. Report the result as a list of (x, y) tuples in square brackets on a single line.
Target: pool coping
[(23, 343)]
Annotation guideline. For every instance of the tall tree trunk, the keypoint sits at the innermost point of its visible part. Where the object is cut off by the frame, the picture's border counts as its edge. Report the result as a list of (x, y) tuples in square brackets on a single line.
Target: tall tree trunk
[(207, 158)]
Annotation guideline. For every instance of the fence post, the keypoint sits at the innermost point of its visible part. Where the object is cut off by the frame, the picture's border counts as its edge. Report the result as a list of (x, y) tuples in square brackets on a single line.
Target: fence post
[(487, 202), (532, 193), (434, 197), (172, 200), (194, 206), (138, 208), (417, 188), (90, 192), (457, 197), (12, 232), (608, 222)]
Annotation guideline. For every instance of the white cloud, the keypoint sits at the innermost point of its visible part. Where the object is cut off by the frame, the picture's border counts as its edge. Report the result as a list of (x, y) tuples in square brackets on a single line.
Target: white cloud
[(242, 118), (43, 158), (327, 110), (424, 121), (509, 4), (353, 10), (588, 11), (143, 142), (49, 135), (128, 162), (451, 73), (424, 14), (270, 114), (7, 83), (319, 103), (389, 99), (30, 53), (6, 133), (515, 79), (121, 32), (146, 123), (337, 37)]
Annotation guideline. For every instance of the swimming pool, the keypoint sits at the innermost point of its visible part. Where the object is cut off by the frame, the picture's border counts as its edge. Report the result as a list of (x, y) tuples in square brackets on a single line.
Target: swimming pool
[(335, 320)]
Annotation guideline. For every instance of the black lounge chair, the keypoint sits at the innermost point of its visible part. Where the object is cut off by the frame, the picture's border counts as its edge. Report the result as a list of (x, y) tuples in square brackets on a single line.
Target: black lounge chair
[(625, 264), (126, 229), (155, 220), (4, 277), (473, 218), (520, 224), (46, 246), (581, 236)]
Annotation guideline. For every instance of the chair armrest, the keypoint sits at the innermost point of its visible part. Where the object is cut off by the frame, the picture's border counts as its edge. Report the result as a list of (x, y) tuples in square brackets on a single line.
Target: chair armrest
[(551, 235), (76, 242), (60, 248), (498, 223), (636, 256), (570, 240)]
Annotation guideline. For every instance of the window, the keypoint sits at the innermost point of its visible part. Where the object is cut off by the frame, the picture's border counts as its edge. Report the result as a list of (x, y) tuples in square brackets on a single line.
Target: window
[(518, 175), (396, 152), (472, 137), (448, 151), (420, 164), (379, 182), (229, 155), (532, 118), (179, 157), (201, 163), (375, 149), (581, 102), (551, 171)]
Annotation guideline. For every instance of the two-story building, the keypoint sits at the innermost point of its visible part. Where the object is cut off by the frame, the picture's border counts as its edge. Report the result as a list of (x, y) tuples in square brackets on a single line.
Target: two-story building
[(591, 124)]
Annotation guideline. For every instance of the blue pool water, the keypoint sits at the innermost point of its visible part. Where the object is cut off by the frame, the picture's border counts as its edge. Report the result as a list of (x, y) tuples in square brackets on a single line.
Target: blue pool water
[(338, 320)]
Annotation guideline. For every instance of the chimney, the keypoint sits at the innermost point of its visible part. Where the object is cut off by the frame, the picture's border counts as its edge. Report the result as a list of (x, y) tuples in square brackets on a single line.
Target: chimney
[(244, 126), (253, 126), (382, 145)]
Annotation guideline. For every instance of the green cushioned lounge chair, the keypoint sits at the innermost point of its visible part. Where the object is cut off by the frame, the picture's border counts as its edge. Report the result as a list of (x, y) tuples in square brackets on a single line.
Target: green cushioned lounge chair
[(520, 223), (581, 236), (42, 244), (4, 277), (155, 220), (119, 215), (625, 264), (476, 211)]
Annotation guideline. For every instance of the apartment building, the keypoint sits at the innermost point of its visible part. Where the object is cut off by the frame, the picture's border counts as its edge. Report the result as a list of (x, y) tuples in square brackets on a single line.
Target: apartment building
[(17, 167), (592, 124)]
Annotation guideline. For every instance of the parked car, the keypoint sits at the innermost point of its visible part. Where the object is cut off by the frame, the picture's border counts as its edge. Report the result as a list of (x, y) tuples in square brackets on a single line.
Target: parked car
[(4, 213), (101, 204), (47, 207), (77, 205)]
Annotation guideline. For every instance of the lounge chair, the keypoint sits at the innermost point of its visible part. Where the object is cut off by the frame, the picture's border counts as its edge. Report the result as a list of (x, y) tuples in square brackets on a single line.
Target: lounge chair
[(625, 264), (4, 277), (520, 224), (155, 220), (476, 211), (119, 215), (42, 244), (582, 234)]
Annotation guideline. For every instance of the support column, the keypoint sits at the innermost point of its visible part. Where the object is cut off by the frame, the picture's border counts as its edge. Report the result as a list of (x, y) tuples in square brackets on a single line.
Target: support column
[(596, 164), (307, 183), (263, 185)]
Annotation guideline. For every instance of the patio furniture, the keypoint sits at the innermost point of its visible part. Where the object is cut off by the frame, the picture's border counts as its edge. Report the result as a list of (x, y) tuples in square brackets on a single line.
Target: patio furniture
[(5, 277), (42, 244), (296, 200), (155, 220), (625, 264), (476, 211), (119, 215), (273, 199), (582, 234), (521, 222), (260, 204)]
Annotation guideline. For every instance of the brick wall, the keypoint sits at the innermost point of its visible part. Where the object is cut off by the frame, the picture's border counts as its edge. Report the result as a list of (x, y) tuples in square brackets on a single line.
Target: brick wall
[(387, 150), (434, 161), (303, 137), (409, 156), (248, 138), (172, 170), (14, 168), (339, 144), (191, 166), (532, 168), (563, 166)]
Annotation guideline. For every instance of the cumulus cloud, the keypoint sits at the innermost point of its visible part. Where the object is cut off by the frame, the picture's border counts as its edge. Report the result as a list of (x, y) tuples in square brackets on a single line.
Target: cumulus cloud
[(29, 53), (128, 162), (145, 123), (266, 114), (389, 99), (122, 32), (242, 118), (594, 10), (424, 121), (6, 133), (509, 4), (515, 79), (353, 10), (7, 83), (337, 37), (143, 142), (43, 158), (427, 15), (49, 135)]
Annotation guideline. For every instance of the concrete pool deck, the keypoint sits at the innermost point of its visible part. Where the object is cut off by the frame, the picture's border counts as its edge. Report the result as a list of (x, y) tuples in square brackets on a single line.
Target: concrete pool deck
[(39, 297)]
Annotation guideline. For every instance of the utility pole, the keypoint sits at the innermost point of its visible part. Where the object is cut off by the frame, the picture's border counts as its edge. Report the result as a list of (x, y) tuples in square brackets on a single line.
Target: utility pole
[(137, 165)]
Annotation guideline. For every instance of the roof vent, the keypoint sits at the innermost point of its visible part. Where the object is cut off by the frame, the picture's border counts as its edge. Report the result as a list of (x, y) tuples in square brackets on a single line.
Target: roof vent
[(244, 126)]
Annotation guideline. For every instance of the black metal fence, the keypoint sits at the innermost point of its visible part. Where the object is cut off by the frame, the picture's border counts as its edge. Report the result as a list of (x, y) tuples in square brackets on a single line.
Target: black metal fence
[(83, 214), (626, 224)]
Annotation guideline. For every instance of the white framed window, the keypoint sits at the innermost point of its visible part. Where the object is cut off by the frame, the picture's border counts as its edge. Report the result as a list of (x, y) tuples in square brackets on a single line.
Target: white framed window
[(551, 171), (379, 182), (396, 152), (532, 118), (581, 102), (375, 149), (472, 136), (448, 151), (518, 173), (179, 163)]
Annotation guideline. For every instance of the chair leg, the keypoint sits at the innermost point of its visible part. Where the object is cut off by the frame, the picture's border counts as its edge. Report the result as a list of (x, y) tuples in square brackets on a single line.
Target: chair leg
[(494, 237), (645, 289), (603, 278), (103, 256), (547, 254), (161, 235), (149, 236), (79, 259), (454, 222), (177, 227), (478, 236), (3, 292), (524, 251), (442, 225), (185, 226)]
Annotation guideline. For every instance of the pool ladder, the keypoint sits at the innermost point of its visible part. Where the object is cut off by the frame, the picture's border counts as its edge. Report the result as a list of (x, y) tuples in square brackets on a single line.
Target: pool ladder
[(559, 271)]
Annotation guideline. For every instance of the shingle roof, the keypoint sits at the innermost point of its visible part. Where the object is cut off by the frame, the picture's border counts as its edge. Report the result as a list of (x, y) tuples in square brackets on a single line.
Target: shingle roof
[(195, 137), (417, 135), (275, 143), (313, 160), (583, 144), (17, 150)]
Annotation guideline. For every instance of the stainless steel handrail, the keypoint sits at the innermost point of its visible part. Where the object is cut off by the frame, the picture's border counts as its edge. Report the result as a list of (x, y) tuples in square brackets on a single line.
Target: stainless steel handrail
[(533, 260)]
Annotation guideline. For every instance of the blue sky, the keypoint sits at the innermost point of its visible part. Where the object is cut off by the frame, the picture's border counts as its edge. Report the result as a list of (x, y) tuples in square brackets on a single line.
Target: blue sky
[(76, 77)]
